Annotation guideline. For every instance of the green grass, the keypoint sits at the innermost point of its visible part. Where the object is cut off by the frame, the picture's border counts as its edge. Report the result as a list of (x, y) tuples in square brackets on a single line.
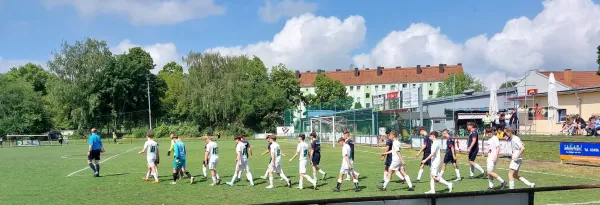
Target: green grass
[(38, 175)]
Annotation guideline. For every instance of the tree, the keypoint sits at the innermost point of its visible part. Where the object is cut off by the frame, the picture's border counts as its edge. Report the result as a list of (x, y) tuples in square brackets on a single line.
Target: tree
[(598, 60), (172, 74), (508, 84), (331, 94), (457, 83), (357, 105), (32, 73), (285, 81), (21, 108)]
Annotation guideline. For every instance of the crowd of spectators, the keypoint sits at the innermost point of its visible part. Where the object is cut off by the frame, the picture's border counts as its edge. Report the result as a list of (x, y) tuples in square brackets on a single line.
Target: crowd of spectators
[(576, 125)]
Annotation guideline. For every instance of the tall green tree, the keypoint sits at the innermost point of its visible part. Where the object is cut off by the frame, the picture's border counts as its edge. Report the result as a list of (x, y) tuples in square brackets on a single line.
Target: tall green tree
[(21, 108), (330, 94), (32, 73), (172, 74), (508, 84), (598, 60), (457, 83), (286, 82)]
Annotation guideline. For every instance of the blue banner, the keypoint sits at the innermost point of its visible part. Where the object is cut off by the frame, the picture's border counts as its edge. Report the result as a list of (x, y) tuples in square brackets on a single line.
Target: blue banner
[(580, 151)]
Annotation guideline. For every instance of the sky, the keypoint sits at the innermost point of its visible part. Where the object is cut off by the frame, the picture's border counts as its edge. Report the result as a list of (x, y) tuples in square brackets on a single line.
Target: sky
[(493, 39)]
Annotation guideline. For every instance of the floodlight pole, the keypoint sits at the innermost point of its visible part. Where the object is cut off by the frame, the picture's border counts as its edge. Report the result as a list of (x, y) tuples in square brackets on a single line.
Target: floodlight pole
[(149, 108)]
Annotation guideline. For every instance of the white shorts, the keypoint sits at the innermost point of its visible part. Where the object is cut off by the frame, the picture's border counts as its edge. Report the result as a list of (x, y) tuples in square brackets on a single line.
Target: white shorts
[(396, 166), (491, 166), (435, 170), (302, 166), (151, 162), (345, 170), (276, 169), (515, 165), (243, 165), (212, 164)]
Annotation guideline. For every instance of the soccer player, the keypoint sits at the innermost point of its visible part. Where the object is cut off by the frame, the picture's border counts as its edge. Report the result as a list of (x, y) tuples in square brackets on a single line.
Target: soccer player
[(473, 142), (450, 156), (315, 156), (241, 162), (267, 151), (249, 151), (179, 160), (152, 157), (493, 145), (302, 151), (426, 149), (94, 151), (350, 143), (172, 136), (211, 157), (388, 158), (204, 162), (517, 148), (346, 166), (396, 163), (436, 161), (275, 164)]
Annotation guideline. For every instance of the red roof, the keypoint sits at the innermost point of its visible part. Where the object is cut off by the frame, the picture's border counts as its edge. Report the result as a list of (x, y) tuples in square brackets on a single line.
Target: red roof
[(389, 75), (579, 79)]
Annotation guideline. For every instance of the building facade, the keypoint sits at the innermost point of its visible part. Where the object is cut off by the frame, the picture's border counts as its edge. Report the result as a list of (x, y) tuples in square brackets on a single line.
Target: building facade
[(536, 80)]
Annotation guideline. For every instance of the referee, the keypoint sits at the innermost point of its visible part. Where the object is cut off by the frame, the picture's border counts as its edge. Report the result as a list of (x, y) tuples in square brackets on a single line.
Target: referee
[(94, 151)]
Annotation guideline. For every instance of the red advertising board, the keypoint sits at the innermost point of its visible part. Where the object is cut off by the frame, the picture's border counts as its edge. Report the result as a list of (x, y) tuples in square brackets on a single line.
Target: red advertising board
[(392, 95)]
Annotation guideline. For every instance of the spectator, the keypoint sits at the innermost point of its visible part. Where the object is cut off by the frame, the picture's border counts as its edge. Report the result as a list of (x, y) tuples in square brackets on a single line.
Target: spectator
[(566, 125), (579, 125), (501, 122), (514, 121), (496, 120), (487, 120), (596, 126)]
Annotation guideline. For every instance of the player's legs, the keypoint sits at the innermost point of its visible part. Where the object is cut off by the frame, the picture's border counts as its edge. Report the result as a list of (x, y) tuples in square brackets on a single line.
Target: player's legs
[(407, 178), (187, 173), (473, 165), (316, 159), (513, 173), (456, 170), (420, 172), (271, 170), (154, 170), (282, 175), (235, 173), (204, 168), (443, 169), (249, 174)]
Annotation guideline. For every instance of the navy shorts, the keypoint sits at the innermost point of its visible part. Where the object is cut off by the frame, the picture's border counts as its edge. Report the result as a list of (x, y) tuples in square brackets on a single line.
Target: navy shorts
[(449, 159), (388, 161), (94, 155), (316, 159), (473, 155), (428, 162)]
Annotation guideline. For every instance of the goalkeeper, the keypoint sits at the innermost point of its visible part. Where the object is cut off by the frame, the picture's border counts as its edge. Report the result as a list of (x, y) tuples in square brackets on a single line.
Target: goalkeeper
[(172, 136), (179, 160)]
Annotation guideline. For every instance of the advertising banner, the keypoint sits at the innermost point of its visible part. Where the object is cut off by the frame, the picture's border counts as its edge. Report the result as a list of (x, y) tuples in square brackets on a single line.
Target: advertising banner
[(285, 130), (580, 151), (378, 102)]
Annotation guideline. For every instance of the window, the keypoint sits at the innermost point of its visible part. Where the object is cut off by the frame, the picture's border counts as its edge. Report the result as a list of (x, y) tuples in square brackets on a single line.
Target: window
[(351, 88), (358, 99), (383, 87), (358, 87), (393, 87), (376, 87), (562, 115), (438, 121), (439, 84), (430, 92), (367, 95), (368, 105), (414, 85), (403, 85)]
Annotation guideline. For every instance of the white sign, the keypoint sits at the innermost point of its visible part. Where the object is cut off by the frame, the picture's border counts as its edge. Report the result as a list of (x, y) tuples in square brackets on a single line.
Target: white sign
[(378, 99), (382, 131), (285, 130), (410, 98)]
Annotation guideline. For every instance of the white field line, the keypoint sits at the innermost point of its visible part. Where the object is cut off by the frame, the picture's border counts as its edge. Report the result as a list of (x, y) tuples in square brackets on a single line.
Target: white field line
[(580, 203), (75, 172), (526, 171)]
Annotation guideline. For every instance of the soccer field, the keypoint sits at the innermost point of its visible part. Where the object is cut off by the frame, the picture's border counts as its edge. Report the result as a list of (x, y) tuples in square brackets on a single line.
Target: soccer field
[(59, 175)]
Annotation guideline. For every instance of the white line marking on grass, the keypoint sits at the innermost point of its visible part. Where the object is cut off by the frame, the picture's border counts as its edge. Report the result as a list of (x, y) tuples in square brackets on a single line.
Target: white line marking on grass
[(75, 172), (580, 203)]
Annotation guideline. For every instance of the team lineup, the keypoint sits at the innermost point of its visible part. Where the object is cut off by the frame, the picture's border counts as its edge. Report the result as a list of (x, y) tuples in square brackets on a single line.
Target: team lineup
[(394, 163)]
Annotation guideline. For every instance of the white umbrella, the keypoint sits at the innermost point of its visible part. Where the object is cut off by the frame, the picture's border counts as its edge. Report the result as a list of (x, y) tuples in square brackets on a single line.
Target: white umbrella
[(552, 99), (493, 107)]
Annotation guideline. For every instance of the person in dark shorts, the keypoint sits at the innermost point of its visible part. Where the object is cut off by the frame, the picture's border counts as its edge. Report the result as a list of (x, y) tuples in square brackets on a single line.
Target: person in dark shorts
[(350, 143), (450, 156), (315, 156), (473, 142), (94, 150), (388, 158), (426, 149)]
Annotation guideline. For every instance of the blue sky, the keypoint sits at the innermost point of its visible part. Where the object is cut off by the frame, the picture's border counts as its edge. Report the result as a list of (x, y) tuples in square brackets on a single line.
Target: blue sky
[(31, 29)]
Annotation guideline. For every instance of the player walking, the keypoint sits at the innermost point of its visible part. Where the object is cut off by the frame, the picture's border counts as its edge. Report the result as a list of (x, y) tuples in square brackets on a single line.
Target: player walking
[(350, 143), (315, 156), (152, 157), (275, 164), (172, 136), (211, 157), (396, 162), (436, 161), (473, 149), (346, 166), (450, 156), (267, 151), (517, 148), (426, 149), (249, 148), (493, 145), (302, 151), (179, 160), (388, 158), (94, 151), (241, 162)]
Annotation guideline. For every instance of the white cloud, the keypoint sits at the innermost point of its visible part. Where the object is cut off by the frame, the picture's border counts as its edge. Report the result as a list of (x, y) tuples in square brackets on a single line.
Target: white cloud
[(161, 53), (157, 12), (561, 36), (285, 8), (308, 42), (6, 65)]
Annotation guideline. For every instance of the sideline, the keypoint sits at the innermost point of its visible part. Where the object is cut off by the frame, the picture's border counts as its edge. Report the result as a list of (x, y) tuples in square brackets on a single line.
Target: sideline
[(580, 203), (75, 172)]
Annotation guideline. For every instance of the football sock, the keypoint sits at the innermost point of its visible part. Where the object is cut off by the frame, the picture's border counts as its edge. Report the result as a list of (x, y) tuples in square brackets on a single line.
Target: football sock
[(511, 184), (385, 182), (315, 175), (385, 175), (431, 184), (92, 167), (239, 176), (300, 181), (204, 171), (284, 177), (500, 179), (321, 171), (266, 173), (444, 182), (479, 168), (148, 174), (441, 173), (155, 174), (271, 180), (408, 180), (471, 169), (310, 179), (188, 174), (522, 179), (174, 177), (399, 175), (249, 177), (234, 177), (214, 179), (491, 182), (339, 184), (420, 174), (457, 173), (98, 168), (217, 175)]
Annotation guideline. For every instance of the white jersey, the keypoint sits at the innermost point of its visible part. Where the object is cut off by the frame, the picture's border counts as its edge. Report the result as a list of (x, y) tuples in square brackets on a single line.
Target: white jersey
[(302, 150), (241, 148), (213, 149), (346, 150), (436, 147), (276, 150), (151, 147), (493, 143), (516, 145), (395, 149)]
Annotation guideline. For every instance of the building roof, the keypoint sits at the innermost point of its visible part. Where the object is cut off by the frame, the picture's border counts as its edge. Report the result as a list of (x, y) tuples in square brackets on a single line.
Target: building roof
[(503, 91), (389, 75), (579, 79)]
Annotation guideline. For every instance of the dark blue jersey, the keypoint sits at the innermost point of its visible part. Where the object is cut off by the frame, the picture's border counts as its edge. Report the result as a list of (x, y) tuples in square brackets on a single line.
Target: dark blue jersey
[(474, 136), (351, 144), (247, 144), (427, 144), (449, 146), (389, 144), (269, 146), (316, 146)]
